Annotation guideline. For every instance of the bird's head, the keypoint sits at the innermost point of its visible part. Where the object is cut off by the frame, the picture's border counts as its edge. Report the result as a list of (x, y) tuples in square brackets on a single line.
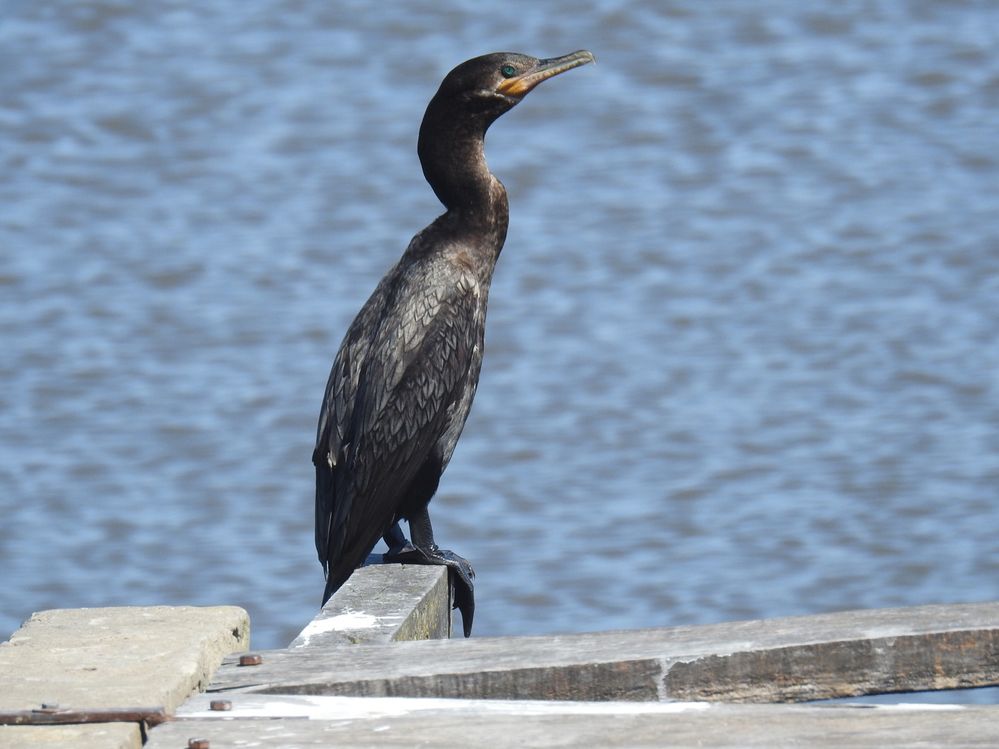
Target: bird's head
[(494, 83), (468, 101)]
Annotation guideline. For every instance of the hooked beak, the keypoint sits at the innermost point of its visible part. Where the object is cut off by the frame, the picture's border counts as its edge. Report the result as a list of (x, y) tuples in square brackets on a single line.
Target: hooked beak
[(520, 85)]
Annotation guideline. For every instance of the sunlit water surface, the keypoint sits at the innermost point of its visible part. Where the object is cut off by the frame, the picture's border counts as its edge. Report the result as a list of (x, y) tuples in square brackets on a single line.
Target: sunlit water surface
[(741, 355)]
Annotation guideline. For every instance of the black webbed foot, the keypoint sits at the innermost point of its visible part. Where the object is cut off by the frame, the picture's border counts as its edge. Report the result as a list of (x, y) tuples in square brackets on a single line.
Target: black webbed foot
[(460, 575)]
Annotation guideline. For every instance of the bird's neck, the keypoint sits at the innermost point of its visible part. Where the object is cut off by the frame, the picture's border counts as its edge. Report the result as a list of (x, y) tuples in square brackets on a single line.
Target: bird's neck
[(452, 153), (453, 157)]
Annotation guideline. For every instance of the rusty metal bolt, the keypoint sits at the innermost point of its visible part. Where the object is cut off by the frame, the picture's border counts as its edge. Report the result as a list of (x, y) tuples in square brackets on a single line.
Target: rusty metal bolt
[(250, 660), (198, 744), (221, 705)]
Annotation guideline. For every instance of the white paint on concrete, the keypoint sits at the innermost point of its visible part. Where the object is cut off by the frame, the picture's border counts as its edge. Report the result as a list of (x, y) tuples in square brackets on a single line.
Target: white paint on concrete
[(348, 621), (322, 707), (347, 708), (919, 706)]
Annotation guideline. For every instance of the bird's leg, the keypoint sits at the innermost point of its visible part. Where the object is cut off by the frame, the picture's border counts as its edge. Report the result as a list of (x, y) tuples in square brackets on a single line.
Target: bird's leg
[(396, 541), (423, 550), (460, 571)]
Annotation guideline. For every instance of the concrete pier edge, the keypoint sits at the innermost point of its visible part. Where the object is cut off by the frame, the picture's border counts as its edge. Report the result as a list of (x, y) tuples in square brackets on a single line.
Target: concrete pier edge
[(123, 658), (376, 668)]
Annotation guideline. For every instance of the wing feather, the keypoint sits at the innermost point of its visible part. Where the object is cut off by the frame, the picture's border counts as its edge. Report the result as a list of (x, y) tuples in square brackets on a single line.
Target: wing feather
[(398, 385)]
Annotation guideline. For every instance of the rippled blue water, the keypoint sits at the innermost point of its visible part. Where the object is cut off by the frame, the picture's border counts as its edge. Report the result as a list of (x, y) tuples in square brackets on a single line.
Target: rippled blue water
[(741, 356)]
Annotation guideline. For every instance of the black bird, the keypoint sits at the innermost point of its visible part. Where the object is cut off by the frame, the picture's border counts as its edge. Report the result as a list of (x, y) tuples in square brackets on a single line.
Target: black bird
[(403, 380)]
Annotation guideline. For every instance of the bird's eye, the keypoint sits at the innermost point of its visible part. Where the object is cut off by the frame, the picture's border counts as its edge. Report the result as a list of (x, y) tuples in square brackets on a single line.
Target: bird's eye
[(508, 71)]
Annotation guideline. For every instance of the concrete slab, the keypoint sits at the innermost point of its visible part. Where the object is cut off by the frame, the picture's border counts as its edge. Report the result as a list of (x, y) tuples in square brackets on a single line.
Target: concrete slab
[(117, 657), (775, 660), (383, 603), (401, 722), (104, 736)]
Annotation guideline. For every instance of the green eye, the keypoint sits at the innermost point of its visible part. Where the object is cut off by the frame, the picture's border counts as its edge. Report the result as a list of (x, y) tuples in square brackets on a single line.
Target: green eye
[(508, 71)]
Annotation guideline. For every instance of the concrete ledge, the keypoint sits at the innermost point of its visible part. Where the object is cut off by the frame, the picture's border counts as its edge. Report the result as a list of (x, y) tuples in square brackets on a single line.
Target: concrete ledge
[(777, 660), (383, 603), (105, 736), (124, 658), (117, 657), (397, 722)]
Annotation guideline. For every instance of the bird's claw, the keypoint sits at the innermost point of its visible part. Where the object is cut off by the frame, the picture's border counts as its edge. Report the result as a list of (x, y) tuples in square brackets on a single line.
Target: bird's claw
[(460, 575), (405, 554)]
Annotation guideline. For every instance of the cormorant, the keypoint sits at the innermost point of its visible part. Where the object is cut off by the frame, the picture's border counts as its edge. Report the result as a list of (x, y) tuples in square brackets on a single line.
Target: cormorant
[(403, 380)]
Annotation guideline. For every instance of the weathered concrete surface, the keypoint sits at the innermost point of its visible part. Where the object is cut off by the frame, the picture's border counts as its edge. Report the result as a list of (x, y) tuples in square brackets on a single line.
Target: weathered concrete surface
[(116, 657), (383, 603), (776, 660), (105, 736), (397, 722), (126, 657)]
